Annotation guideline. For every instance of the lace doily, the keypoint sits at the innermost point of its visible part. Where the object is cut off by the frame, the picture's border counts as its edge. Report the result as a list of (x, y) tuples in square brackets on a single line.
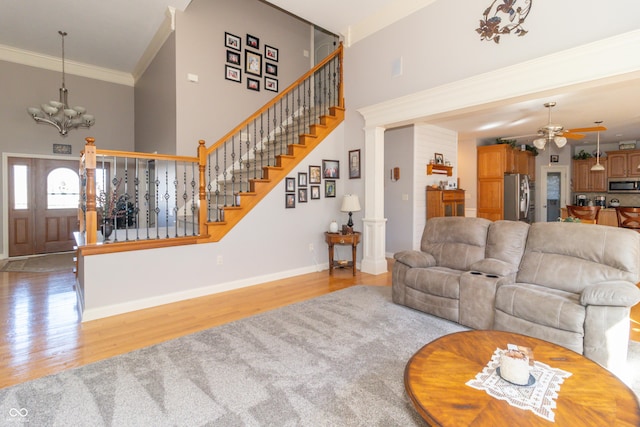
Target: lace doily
[(539, 398)]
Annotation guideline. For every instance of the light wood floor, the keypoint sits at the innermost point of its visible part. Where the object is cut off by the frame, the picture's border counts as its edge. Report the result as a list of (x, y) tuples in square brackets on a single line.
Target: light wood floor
[(43, 334)]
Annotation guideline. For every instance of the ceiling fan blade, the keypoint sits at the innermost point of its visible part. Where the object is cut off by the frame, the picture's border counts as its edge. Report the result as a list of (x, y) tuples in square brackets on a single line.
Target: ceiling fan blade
[(572, 135), (591, 129), (518, 136)]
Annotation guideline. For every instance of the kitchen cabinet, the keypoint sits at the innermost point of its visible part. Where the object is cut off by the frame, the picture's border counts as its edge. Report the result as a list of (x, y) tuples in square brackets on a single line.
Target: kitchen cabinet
[(586, 180), (444, 202), (493, 162), (623, 163)]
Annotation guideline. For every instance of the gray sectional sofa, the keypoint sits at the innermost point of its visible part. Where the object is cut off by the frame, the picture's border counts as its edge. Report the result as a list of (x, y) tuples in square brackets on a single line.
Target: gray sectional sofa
[(568, 283)]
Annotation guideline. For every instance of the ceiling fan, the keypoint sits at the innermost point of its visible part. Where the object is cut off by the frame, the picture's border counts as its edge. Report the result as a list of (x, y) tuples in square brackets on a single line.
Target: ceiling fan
[(556, 133)]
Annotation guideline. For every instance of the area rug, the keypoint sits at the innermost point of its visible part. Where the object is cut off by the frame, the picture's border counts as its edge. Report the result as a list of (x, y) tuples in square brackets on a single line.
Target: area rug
[(41, 264), (335, 360)]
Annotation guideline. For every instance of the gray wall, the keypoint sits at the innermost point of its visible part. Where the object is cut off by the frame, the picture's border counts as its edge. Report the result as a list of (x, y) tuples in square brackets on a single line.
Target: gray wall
[(399, 152), (25, 86), (213, 106), (156, 103)]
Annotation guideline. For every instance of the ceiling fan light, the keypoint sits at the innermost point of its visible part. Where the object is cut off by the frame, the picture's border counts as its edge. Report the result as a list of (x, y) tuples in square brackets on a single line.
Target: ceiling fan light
[(539, 143), (560, 141)]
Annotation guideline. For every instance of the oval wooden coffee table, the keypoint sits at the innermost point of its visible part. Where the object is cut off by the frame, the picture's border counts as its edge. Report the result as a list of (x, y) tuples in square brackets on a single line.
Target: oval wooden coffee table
[(435, 379)]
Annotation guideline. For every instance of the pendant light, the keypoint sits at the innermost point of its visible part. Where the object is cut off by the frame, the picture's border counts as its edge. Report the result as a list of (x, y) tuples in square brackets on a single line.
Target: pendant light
[(58, 113), (598, 166)]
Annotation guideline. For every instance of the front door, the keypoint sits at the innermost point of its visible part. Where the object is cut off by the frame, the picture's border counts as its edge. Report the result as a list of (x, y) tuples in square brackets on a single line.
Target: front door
[(43, 205)]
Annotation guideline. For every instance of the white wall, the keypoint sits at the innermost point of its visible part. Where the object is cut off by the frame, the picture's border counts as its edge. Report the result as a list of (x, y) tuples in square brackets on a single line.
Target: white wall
[(270, 243), (428, 141)]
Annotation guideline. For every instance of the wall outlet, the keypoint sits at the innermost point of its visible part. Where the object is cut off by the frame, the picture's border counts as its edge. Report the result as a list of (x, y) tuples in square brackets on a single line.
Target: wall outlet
[(219, 260)]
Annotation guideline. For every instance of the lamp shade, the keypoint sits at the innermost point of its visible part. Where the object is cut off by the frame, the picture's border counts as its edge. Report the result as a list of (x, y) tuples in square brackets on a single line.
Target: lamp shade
[(539, 143), (350, 203)]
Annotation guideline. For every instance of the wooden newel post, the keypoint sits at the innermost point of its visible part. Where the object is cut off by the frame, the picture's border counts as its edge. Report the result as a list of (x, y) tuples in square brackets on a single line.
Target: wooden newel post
[(202, 189), (91, 229)]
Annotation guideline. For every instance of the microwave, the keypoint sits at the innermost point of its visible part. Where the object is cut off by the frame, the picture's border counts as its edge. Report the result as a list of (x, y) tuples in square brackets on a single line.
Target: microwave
[(623, 185)]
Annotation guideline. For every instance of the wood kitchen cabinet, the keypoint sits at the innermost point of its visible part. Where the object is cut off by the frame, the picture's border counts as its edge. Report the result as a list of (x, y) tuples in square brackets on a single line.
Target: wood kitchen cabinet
[(444, 203), (586, 180), (623, 163), (493, 162)]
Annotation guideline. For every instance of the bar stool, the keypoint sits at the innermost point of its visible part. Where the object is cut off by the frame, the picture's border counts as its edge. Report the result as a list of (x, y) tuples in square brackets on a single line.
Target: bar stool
[(628, 217), (589, 213)]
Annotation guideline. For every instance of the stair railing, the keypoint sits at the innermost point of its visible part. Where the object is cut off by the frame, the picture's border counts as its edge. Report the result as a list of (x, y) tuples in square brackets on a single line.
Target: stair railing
[(240, 157), (132, 197)]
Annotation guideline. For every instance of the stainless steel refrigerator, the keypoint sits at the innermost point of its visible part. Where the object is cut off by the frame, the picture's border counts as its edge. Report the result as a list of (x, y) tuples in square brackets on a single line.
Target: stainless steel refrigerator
[(517, 197)]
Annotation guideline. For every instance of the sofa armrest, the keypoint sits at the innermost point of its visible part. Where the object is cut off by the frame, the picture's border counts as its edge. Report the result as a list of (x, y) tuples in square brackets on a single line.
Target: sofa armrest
[(614, 293), (415, 259), (494, 266)]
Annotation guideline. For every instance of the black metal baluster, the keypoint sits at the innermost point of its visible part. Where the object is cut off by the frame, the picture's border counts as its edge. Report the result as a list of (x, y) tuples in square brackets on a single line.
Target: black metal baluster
[(217, 171), (136, 201), (233, 169), (195, 229)]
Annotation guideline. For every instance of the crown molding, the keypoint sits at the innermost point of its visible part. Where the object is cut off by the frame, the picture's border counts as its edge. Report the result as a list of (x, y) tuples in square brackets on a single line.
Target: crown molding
[(389, 14), (616, 61), (47, 62), (161, 36)]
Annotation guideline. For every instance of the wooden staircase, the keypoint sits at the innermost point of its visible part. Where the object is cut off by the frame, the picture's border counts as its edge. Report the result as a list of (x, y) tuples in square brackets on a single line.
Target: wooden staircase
[(273, 175)]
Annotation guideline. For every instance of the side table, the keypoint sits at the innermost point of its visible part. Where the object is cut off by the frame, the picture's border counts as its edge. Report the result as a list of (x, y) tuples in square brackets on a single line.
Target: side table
[(342, 239)]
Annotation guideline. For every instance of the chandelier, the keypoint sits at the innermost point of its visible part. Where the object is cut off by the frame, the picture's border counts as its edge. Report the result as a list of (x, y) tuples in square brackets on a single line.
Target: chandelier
[(550, 132), (58, 113)]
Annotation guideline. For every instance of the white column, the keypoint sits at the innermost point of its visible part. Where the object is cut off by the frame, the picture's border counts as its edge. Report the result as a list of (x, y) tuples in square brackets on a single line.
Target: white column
[(374, 222)]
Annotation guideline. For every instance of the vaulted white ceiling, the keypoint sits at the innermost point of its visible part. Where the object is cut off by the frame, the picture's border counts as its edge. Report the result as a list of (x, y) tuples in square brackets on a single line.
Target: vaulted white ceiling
[(114, 35)]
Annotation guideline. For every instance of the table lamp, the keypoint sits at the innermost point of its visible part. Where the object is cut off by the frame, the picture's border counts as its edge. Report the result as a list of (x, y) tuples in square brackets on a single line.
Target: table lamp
[(350, 203)]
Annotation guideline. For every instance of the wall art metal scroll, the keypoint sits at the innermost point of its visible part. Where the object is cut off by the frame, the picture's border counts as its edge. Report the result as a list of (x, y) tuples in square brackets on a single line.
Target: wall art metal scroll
[(512, 12)]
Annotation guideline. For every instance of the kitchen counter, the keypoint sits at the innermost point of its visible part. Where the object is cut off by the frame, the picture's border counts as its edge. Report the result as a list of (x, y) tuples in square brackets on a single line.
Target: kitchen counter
[(606, 216)]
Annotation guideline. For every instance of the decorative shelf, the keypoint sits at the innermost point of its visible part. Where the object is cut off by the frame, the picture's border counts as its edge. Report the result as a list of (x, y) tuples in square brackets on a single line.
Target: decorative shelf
[(439, 169)]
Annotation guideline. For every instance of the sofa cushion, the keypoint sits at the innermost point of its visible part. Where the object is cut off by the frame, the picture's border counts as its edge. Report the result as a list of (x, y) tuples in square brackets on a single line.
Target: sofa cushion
[(506, 241), (616, 294), (541, 305), (415, 259), (439, 281), (455, 242), (571, 257)]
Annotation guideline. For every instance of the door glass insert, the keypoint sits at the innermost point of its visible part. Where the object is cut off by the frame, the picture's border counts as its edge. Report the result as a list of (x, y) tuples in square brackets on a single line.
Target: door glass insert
[(20, 187), (63, 189)]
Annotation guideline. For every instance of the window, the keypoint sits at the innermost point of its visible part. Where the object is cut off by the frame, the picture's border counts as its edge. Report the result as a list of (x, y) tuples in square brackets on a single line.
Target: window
[(63, 189), (20, 187)]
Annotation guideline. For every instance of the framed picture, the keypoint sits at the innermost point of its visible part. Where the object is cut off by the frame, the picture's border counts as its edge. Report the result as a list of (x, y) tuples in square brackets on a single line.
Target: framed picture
[(253, 84), (302, 195), (354, 164), (232, 41), (554, 158), (439, 158), (289, 201), (271, 69), (270, 53), (302, 179), (233, 57), (271, 84), (232, 73), (290, 184), (253, 63), (315, 192), (314, 174), (253, 41), (331, 169), (330, 188)]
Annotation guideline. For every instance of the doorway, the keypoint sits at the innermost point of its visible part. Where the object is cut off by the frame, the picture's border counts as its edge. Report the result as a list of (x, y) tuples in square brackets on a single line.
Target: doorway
[(554, 192), (43, 205)]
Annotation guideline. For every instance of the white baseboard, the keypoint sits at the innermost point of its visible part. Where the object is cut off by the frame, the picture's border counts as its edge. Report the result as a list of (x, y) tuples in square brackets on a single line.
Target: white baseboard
[(140, 304)]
